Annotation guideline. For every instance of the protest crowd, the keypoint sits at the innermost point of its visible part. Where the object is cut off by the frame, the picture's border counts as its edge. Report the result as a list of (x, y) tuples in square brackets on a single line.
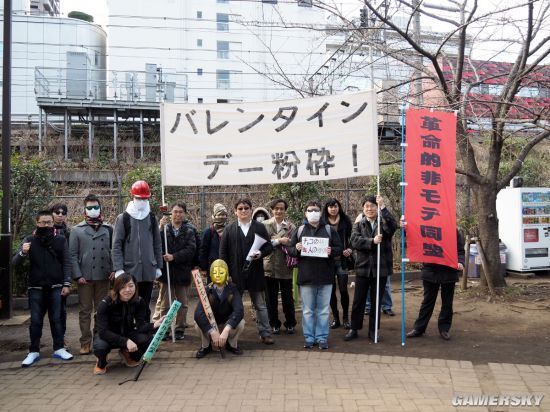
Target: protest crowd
[(261, 254)]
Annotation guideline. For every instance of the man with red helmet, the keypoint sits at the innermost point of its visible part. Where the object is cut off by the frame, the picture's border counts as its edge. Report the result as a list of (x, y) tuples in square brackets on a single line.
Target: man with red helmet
[(136, 241)]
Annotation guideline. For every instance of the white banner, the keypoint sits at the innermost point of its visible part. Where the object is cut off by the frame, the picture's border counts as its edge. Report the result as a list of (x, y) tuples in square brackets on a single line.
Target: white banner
[(321, 138)]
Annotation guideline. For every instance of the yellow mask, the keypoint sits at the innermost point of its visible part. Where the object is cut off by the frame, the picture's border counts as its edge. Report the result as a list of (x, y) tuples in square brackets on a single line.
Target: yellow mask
[(219, 272)]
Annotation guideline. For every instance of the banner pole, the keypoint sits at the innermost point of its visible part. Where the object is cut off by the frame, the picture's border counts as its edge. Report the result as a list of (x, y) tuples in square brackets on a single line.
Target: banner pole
[(377, 313), (172, 325), (403, 244)]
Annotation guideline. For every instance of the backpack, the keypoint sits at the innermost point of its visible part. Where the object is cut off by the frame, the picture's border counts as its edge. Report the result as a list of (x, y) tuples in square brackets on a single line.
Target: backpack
[(128, 226), (301, 229)]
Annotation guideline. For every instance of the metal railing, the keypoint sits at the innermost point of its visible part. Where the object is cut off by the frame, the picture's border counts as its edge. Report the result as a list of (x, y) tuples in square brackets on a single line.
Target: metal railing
[(100, 84)]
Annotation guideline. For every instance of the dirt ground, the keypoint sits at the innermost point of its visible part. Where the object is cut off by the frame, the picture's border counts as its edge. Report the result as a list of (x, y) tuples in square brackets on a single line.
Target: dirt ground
[(514, 328)]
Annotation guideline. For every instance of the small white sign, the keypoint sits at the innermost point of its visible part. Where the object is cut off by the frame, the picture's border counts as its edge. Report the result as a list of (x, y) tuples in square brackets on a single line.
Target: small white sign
[(315, 246)]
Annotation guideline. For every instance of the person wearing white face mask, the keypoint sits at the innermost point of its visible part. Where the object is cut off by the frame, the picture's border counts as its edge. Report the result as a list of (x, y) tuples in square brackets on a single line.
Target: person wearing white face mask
[(315, 276), (90, 249), (137, 247)]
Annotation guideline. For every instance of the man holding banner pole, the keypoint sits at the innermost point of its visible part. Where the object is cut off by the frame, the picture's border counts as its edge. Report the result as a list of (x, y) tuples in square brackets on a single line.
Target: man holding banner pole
[(371, 237)]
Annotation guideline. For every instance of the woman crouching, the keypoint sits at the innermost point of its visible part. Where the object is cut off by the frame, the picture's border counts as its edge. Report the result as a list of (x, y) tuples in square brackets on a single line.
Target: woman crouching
[(122, 322)]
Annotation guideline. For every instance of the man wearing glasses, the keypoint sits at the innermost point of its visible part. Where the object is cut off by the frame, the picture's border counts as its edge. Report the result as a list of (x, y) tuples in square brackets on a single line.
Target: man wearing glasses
[(49, 278), (59, 213), (90, 248), (247, 271)]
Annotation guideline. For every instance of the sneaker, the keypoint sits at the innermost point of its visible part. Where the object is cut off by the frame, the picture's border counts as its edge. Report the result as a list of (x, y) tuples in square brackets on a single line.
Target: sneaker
[(308, 345), (98, 370), (323, 345), (290, 330), (367, 311), (276, 330), (62, 354), (31, 358), (179, 335), (127, 359)]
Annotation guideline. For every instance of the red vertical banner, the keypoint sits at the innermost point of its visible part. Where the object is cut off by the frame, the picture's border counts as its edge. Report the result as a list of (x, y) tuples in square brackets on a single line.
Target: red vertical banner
[(430, 194)]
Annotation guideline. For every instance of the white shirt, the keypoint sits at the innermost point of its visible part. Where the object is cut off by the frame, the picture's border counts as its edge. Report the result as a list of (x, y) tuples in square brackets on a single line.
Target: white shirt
[(245, 227)]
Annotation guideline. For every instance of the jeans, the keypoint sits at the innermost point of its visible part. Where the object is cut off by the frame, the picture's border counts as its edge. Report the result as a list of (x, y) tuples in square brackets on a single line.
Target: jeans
[(42, 301), (386, 302), (272, 291), (262, 318), (315, 312)]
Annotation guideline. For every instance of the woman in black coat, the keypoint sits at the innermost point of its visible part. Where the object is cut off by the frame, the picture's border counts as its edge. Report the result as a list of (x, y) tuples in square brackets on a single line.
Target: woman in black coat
[(334, 215), (122, 322)]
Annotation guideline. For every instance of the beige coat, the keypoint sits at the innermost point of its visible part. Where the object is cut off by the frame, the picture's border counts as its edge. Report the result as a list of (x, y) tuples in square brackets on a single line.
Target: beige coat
[(275, 264)]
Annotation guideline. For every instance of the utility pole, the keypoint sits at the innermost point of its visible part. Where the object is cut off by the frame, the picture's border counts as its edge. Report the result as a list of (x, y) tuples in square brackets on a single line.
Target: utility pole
[(5, 232), (417, 39)]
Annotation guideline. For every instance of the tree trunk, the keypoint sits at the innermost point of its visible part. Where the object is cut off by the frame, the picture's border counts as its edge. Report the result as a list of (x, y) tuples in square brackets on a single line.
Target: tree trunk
[(485, 210)]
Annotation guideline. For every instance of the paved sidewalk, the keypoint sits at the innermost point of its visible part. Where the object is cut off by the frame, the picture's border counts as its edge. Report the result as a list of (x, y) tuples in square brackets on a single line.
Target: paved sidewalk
[(264, 380)]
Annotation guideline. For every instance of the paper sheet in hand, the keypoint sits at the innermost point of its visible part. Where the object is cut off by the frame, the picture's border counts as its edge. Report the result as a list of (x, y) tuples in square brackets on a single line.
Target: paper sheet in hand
[(258, 243), (315, 246)]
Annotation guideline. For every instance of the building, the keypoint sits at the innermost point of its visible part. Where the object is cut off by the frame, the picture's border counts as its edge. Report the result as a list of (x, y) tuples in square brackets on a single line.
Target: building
[(36, 7), (229, 50)]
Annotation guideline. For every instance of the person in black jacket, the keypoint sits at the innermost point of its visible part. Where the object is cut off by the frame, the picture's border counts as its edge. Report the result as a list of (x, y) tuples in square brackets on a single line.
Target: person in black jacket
[(315, 275), (123, 322), (181, 251), (209, 249), (334, 215), (433, 277), (49, 279), (227, 307), (247, 271), (365, 239)]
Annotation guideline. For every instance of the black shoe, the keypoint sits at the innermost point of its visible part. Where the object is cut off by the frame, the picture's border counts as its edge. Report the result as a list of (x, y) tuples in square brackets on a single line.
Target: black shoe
[(308, 345), (367, 311), (414, 334), (276, 330), (352, 334), (388, 312), (371, 337), (347, 325), (179, 335), (290, 330), (335, 324), (445, 335), (167, 337), (235, 351), (202, 352)]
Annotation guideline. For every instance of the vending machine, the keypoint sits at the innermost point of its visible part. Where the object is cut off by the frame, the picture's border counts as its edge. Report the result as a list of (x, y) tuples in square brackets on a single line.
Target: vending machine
[(524, 227)]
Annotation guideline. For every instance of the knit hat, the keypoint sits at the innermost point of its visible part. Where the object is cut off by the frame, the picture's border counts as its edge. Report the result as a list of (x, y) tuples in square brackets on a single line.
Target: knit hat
[(219, 208)]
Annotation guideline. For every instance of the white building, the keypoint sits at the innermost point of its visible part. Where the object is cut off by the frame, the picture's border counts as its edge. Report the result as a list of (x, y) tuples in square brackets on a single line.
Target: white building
[(36, 7), (60, 54), (224, 47)]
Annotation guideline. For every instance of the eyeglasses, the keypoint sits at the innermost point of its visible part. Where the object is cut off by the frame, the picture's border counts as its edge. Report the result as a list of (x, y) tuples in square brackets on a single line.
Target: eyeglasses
[(96, 207), (60, 212), (313, 210), (243, 208)]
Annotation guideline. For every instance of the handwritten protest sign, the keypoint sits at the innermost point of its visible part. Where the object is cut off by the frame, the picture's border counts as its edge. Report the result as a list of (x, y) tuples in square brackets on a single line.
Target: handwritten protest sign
[(315, 246)]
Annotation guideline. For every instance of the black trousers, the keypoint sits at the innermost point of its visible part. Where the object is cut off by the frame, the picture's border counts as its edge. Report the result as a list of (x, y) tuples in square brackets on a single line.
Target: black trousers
[(273, 286), (428, 304), (362, 286), (102, 348), (342, 279), (145, 291)]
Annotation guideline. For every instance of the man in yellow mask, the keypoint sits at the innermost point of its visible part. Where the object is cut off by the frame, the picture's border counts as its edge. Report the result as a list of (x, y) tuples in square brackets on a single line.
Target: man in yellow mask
[(227, 306)]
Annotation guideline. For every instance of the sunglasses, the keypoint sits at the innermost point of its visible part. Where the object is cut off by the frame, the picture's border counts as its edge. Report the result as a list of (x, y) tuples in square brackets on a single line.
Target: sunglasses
[(60, 212), (243, 208), (313, 210), (96, 207)]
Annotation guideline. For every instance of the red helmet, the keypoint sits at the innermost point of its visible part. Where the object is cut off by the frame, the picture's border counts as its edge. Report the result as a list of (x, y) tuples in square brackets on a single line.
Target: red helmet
[(140, 189)]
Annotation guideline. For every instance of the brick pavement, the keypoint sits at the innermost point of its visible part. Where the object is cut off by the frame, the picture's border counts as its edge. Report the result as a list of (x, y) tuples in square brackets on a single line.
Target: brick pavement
[(264, 380)]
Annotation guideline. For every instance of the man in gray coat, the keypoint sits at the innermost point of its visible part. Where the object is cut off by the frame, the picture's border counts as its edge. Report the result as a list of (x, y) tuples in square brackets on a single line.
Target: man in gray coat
[(90, 246), (137, 245)]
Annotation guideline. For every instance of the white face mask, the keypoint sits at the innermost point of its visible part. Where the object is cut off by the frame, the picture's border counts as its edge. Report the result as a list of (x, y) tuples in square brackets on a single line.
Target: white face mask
[(313, 217), (141, 204), (260, 219), (93, 213)]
